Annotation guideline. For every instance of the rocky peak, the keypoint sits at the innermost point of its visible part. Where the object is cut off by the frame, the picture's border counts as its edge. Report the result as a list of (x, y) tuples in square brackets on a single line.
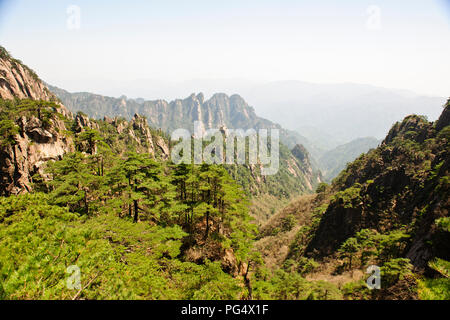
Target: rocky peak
[(82, 122), (410, 123), (19, 81), (201, 97), (444, 119)]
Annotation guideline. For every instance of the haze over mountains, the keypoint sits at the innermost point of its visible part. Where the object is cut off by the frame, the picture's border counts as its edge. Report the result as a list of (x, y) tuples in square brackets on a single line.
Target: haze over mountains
[(327, 114), (86, 188), (220, 110), (335, 122)]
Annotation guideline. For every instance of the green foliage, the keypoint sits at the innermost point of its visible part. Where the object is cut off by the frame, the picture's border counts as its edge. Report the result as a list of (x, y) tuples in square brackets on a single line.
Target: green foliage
[(443, 223), (441, 266), (292, 286), (434, 289), (356, 290), (395, 270), (8, 130), (288, 223), (118, 259), (306, 265), (348, 249), (322, 187), (350, 197)]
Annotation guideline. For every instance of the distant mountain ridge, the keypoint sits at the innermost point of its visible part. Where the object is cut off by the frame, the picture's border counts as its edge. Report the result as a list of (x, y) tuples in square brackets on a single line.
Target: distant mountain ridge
[(221, 109), (334, 161)]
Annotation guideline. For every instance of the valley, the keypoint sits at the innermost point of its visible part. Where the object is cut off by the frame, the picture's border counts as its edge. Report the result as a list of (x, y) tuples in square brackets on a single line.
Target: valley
[(87, 181)]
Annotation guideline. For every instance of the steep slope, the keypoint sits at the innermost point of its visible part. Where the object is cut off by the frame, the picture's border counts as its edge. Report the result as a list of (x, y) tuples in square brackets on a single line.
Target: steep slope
[(388, 208), (32, 132), (269, 193), (35, 143), (404, 182), (36, 128), (19, 81), (334, 161)]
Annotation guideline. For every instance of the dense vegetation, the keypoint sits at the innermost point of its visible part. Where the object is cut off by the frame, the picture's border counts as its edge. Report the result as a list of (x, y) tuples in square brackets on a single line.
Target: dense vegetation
[(390, 208), (136, 227), (99, 200)]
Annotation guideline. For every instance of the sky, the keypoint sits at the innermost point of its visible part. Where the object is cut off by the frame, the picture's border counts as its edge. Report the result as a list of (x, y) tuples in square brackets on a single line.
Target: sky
[(95, 46)]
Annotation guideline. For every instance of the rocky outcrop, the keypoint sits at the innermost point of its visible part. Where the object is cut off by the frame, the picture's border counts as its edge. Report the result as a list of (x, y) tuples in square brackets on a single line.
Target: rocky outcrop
[(33, 146), (18, 81), (140, 124), (36, 142), (82, 122), (444, 119)]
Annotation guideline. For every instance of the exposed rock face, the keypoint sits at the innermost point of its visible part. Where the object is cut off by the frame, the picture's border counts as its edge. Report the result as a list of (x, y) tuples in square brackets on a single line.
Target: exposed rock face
[(38, 142), (35, 143), (82, 122), (311, 177), (18, 81), (140, 124), (220, 110), (34, 146)]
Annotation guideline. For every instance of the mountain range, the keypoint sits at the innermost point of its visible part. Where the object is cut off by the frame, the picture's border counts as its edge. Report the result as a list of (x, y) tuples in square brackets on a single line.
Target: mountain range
[(102, 193), (327, 114)]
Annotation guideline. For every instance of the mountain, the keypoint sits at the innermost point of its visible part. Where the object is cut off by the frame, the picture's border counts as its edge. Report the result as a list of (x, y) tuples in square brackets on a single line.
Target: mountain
[(220, 110), (402, 182), (123, 129), (31, 139), (389, 208), (327, 114), (298, 173), (100, 195), (344, 111), (19, 81), (36, 128), (334, 161)]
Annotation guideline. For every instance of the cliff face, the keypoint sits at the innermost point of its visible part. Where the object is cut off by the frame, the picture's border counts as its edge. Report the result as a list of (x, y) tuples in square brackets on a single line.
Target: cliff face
[(137, 134), (35, 142), (37, 128), (18, 81), (34, 145), (401, 184)]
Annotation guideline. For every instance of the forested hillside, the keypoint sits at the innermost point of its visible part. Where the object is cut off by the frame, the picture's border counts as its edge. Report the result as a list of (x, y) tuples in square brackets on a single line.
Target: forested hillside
[(298, 173), (101, 196), (388, 208)]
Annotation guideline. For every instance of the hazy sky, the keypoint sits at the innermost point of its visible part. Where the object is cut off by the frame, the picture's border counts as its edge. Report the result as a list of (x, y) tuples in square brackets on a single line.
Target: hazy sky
[(396, 44)]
